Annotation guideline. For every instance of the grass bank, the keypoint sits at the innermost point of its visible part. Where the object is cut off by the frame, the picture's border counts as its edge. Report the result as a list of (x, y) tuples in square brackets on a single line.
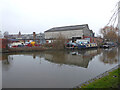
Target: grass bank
[(110, 81)]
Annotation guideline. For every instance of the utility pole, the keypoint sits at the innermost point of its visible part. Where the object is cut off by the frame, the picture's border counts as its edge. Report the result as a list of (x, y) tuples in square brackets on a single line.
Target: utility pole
[(119, 18), (118, 31)]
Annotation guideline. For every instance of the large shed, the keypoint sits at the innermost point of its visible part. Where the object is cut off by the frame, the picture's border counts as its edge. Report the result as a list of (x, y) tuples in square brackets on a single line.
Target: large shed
[(69, 32)]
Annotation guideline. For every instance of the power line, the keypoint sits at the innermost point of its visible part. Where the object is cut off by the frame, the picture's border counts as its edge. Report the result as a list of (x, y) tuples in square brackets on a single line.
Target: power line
[(114, 16)]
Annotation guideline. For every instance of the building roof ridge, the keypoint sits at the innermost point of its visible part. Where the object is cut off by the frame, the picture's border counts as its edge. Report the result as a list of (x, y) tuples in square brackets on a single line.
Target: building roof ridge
[(71, 27)]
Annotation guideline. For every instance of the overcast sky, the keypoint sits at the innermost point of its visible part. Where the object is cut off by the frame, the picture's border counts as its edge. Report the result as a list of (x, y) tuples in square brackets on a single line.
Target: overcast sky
[(40, 15)]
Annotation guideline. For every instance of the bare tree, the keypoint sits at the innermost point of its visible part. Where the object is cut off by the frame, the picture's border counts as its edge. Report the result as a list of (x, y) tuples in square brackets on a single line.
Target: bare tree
[(112, 36), (119, 39), (109, 33), (59, 42)]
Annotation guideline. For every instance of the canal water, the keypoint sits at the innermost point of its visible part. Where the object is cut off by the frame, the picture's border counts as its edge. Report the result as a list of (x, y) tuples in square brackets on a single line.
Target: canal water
[(55, 69)]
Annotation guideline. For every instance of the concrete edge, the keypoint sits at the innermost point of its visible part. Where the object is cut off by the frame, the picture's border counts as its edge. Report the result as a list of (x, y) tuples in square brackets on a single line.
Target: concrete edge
[(97, 77)]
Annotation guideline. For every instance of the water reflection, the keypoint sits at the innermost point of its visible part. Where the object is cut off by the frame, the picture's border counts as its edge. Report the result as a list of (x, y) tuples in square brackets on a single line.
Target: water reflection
[(56, 69), (77, 58), (80, 58), (6, 58), (110, 56)]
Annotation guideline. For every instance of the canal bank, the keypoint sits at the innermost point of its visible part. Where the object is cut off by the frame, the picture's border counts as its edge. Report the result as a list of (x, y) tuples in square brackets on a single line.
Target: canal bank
[(34, 49), (108, 79)]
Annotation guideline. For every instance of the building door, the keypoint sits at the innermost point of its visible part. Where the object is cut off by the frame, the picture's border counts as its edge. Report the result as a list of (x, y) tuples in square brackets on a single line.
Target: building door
[(75, 38)]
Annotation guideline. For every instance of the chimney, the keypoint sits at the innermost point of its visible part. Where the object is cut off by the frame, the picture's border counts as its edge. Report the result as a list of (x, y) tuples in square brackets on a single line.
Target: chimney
[(34, 36)]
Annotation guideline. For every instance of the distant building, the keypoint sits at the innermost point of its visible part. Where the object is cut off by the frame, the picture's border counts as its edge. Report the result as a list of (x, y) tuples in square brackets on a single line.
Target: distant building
[(19, 34), (1, 36), (70, 32), (98, 40), (6, 34), (39, 38)]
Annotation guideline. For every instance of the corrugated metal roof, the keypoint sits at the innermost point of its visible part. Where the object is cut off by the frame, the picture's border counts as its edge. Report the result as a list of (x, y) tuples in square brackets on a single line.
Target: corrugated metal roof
[(65, 28)]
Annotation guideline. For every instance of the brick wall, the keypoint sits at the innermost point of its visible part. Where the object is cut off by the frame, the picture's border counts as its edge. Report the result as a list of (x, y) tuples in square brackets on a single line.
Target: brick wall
[(3, 43)]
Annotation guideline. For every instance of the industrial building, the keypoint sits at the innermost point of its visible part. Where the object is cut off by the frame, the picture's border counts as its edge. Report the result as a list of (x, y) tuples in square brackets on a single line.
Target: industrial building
[(39, 38), (70, 32)]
